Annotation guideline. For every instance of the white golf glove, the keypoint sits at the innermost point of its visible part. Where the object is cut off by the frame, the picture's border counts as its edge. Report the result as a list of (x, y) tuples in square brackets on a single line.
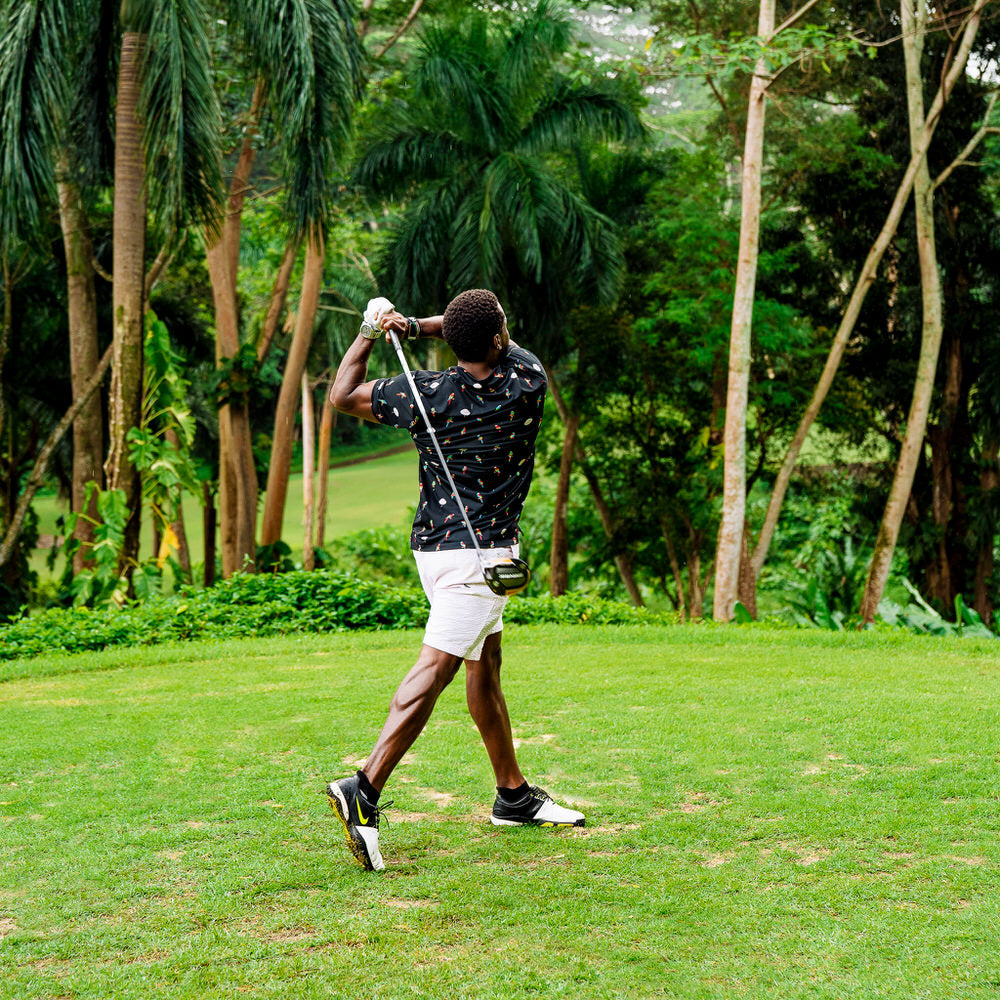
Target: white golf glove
[(371, 327)]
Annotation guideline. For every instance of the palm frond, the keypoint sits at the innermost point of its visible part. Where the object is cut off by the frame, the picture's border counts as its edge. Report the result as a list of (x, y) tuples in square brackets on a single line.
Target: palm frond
[(533, 45), (455, 82), (573, 113), (182, 119), (308, 53), (33, 105), (413, 267), (412, 155)]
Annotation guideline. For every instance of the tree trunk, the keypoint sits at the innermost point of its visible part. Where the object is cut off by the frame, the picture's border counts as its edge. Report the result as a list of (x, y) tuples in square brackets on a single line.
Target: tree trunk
[(208, 532), (237, 472), (279, 293), (989, 481), (675, 568), (731, 530), (84, 356), (942, 584), (325, 435), (177, 522), (308, 475), (129, 235), (559, 558), (864, 282), (914, 21), (284, 418)]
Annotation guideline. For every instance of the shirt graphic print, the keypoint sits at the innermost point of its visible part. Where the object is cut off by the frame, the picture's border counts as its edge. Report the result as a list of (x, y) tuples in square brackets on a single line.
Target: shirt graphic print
[(486, 429)]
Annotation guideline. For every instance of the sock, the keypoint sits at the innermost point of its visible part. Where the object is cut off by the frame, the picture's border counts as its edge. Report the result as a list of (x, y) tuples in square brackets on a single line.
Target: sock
[(367, 789), (513, 794)]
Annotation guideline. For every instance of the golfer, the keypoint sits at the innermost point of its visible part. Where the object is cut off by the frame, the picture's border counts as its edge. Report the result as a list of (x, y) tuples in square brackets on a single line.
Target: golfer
[(485, 411)]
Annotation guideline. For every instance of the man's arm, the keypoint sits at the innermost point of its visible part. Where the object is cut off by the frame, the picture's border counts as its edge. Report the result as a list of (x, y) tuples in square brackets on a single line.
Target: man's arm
[(350, 393)]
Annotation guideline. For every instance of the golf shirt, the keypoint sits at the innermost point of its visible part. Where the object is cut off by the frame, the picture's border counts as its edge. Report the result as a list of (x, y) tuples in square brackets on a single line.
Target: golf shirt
[(486, 429)]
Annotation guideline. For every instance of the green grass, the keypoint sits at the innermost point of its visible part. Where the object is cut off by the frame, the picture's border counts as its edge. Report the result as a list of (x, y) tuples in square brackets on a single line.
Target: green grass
[(366, 495), (771, 814)]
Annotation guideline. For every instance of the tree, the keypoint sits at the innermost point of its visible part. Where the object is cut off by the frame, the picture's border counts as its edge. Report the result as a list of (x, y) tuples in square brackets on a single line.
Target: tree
[(305, 60), (476, 142)]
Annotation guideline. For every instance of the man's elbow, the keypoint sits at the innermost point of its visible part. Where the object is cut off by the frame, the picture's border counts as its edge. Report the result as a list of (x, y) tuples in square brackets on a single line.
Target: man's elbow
[(340, 398)]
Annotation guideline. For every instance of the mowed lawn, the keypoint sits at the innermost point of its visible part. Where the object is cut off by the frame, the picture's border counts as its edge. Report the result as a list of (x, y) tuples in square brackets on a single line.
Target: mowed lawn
[(772, 814)]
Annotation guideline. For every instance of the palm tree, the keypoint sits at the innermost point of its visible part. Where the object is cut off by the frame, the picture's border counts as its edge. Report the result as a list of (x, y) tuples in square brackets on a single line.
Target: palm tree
[(166, 130), (481, 149), (490, 155)]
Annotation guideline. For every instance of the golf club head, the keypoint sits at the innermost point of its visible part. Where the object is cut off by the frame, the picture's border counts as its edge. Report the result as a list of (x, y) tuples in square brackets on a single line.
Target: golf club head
[(506, 576)]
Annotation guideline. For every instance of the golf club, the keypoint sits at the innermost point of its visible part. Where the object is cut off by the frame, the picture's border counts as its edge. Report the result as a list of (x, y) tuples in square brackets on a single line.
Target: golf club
[(504, 575)]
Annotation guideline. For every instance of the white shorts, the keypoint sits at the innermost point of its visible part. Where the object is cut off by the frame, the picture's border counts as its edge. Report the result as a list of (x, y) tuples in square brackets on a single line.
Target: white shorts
[(464, 611)]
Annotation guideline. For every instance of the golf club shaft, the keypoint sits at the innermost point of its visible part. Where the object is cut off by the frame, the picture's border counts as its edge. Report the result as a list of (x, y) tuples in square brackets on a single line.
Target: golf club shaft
[(430, 430)]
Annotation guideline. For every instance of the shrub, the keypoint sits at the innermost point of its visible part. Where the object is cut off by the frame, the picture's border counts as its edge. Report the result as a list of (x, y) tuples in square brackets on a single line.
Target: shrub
[(273, 604)]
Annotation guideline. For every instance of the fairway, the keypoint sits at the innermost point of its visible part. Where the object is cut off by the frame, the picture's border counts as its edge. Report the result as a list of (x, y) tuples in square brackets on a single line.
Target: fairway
[(770, 814)]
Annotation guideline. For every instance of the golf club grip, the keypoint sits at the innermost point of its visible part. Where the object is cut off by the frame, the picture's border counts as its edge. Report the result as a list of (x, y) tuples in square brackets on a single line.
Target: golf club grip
[(430, 430)]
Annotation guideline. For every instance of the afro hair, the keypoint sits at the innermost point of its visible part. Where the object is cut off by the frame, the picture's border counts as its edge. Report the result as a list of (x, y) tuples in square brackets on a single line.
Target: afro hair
[(471, 321)]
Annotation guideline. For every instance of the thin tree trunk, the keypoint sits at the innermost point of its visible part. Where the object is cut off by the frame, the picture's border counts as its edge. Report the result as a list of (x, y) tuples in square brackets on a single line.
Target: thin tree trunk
[(84, 356), (208, 524), (240, 184), (177, 523), (237, 472), (989, 481), (129, 235), (864, 282), (308, 474), (941, 582), (38, 471), (325, 436), (675, 568), (559, 557), (279, 293), (280, 465), (914, 20), (731, 530)]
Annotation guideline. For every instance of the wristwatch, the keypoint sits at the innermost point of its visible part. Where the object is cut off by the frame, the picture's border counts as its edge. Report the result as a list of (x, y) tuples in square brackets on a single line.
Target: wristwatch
[(369, 331)]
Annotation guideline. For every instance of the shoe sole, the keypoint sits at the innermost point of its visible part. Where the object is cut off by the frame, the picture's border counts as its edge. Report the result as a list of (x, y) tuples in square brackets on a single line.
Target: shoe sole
[(338, 803), (496, 821)]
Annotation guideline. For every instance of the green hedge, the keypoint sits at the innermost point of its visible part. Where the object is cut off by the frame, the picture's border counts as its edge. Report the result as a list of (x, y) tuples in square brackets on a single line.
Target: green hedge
[(263, 605)]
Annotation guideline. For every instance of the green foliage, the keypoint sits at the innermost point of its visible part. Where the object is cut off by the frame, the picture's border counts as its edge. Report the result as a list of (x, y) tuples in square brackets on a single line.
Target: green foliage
[(919, 616), (264, 604), (102, 583)]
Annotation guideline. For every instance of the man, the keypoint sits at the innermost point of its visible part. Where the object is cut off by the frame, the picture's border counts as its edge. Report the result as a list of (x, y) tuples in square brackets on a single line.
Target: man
[(485, 412)]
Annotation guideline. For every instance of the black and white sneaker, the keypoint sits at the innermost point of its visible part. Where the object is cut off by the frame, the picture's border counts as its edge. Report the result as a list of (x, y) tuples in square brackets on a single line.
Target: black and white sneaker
[(535, 809), (360, 820)]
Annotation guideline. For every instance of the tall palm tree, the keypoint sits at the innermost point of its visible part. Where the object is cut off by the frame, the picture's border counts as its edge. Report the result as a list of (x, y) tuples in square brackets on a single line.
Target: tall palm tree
[(481, 148), (307, 59), (166, 130)]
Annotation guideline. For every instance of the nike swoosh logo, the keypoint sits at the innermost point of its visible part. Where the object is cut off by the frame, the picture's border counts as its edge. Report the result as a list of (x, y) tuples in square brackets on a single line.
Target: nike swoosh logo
[(362, 819)]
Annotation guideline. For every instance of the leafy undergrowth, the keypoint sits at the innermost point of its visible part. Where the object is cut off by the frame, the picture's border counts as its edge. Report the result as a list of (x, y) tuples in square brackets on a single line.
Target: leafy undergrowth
[(273, 604)]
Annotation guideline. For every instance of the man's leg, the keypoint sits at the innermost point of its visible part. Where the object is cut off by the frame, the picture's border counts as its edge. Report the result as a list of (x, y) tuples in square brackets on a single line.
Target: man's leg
[(517, 803), (409, 710), (355, 799), (488, 709)]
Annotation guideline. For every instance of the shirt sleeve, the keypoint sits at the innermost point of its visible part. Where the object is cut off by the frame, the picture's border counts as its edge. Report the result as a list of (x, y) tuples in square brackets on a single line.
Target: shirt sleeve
[(392, 402), (525, 361)]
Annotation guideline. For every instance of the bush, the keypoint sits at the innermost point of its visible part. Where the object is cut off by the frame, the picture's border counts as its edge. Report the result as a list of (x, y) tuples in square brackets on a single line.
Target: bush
[(273, 604)]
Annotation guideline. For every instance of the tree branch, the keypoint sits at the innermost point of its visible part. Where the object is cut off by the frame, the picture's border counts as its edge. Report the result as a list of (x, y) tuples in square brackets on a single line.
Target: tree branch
[(400, 31), (42, 461), (963, 158)]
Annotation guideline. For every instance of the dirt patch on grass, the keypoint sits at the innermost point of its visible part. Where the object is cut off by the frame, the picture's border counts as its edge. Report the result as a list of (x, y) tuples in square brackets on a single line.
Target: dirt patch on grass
[(7, 927), (695, 802)]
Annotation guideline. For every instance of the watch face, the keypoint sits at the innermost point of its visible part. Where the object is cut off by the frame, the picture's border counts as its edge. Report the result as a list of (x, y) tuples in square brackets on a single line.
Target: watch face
[(370, 332)]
